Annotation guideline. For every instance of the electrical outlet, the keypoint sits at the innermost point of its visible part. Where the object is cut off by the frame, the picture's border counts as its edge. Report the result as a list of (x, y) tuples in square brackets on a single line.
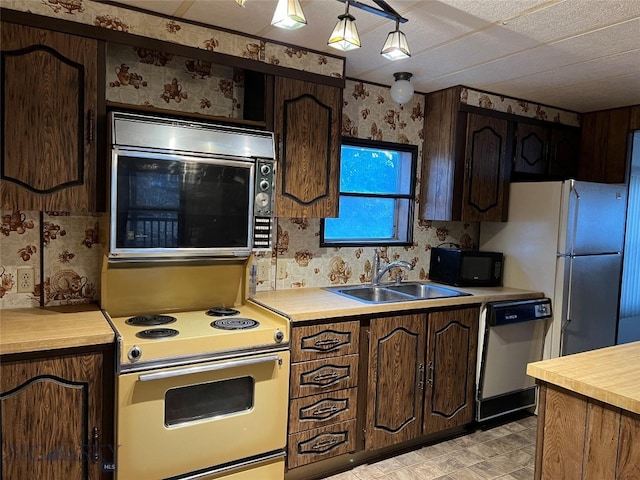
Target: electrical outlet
[(264, 269), (281, 270), (25, 280)]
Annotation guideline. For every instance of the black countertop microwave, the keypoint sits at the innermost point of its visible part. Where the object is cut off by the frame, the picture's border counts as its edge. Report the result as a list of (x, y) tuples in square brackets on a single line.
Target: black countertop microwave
[(466, 268)]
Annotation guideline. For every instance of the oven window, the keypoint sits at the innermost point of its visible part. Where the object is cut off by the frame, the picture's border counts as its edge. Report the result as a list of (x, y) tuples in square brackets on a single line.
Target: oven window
[(207, 400), (167, 203)]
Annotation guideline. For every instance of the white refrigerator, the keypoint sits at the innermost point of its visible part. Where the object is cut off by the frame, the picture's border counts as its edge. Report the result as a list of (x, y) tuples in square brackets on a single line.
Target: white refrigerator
[(566, 240)]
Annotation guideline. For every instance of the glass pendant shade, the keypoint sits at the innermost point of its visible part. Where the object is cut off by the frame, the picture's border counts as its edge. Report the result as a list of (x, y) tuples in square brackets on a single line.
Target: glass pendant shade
[(288, 15), (402, 89), (345, 34), (396, 46)]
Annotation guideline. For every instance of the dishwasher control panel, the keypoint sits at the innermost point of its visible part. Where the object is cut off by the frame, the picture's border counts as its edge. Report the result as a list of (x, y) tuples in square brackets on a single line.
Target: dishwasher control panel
[(504, 313)]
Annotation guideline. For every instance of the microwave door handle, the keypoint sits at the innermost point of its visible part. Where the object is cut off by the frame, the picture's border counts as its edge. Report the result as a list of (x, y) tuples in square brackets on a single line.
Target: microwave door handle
[(147, 377)]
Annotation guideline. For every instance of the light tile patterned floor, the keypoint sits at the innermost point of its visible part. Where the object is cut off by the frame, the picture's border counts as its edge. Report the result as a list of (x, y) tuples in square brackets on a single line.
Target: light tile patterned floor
[(504, 452)]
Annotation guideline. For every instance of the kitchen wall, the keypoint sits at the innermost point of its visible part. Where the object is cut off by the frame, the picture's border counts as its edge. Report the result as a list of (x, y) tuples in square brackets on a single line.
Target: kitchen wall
[(298, 261), (61, 248)]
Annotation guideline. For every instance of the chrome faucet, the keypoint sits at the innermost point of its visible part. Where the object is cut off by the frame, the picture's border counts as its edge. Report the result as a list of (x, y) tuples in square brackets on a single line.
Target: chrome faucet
[(378, 272)]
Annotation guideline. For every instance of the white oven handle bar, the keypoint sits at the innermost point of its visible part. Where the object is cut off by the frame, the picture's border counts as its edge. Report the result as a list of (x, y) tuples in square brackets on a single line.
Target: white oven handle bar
[(147, 377), (237, 465)]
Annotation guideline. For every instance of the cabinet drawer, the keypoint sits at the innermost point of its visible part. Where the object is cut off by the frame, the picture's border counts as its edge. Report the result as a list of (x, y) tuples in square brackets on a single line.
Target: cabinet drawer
[(321, 443), (321, 341), (320, 410), (321, 376)]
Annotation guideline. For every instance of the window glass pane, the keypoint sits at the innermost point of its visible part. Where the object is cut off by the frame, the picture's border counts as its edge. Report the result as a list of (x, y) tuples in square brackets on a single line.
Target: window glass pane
[(362, 218), (370, 170), (197, 402)]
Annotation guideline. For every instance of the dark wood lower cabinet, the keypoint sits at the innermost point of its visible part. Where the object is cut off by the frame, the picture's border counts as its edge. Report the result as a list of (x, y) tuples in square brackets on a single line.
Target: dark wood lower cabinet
[(414, 381), (394, 392), (451, 369), (51, 417)]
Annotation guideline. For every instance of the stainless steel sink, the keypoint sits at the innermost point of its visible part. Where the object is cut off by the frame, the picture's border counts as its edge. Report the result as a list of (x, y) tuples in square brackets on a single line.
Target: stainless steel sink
[(405, 292), (424, 291)]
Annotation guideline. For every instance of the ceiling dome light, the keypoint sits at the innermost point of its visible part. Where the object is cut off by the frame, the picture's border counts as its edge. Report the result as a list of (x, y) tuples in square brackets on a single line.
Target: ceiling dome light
[(396, 46), (345, 34), (288, 15), (402, 89)]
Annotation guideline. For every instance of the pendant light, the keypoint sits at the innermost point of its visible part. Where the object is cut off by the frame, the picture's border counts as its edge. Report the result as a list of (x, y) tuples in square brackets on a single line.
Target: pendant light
[(396, 46), (345, 34), (241, 2), (288, 15), (402, 89)]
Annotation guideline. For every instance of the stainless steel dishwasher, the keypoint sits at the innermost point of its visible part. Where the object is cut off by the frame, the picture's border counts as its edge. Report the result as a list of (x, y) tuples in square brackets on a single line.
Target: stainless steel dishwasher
[(510, 335)]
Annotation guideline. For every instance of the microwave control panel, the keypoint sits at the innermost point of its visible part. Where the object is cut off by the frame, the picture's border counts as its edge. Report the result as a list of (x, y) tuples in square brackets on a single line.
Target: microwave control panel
[(263, 206)]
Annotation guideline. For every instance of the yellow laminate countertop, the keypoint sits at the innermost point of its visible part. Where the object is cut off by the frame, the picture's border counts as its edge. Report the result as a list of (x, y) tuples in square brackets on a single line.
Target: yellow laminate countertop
[(25, 330), (610, 375), (300, 304)]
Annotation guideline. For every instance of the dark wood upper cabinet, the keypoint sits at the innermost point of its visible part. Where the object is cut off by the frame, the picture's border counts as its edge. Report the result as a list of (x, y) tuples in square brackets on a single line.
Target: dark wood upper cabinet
[(604, 144), (545, 152), (307, 126), (564, 153), (450, 369), (531, 150), (48, 116), (466, 162), (486, 179)]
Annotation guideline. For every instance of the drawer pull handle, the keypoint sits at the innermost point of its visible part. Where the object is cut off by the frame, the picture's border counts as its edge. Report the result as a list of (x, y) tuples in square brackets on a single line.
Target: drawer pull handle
[(324, 444), (325, 410), (326, 376), (327, 342)]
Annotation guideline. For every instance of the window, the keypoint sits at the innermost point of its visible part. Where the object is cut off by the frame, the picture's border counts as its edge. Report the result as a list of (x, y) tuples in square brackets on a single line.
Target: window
[(377, 185)]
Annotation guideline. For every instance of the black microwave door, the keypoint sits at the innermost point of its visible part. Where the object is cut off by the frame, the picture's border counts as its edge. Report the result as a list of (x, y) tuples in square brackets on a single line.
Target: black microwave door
[(173, 203)]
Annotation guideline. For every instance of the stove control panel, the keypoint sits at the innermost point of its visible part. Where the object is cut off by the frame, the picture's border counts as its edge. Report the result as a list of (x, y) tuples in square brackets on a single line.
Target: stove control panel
[(278, 336), (263, 207), (134, 353)]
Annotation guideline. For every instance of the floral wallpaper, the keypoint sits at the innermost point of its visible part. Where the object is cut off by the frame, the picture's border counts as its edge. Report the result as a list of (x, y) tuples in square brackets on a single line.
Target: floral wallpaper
[(118, 18), (68, 247), (297, 261), (140, 76), (515, 106)]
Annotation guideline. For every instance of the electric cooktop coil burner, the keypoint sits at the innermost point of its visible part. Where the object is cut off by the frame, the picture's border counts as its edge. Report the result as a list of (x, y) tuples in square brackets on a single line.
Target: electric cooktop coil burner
[(235, 323), (150, 320), (222, 312), (157, 333)]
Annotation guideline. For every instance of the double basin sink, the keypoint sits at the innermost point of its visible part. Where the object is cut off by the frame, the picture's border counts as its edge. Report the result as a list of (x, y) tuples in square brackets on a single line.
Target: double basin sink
[(403, 292)]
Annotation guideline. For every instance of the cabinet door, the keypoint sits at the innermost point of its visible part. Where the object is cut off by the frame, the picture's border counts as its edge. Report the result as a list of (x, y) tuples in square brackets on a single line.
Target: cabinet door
[(451, 367), (487, 170), (396, 356), (49, 88), (531, 156), (564, 153), (49, 410), (307, 124)]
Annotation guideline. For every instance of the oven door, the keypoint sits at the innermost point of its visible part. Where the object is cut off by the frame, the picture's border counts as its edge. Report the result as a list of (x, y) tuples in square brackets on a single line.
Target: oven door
[(178, 420)]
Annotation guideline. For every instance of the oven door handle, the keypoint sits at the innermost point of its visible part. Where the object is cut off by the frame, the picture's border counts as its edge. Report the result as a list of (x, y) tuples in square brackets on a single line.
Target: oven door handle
[(147, 377)]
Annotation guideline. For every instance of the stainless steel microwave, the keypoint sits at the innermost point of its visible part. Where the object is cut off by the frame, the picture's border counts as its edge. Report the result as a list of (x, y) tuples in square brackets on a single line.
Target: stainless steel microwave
[(466, 268), (184, 189)]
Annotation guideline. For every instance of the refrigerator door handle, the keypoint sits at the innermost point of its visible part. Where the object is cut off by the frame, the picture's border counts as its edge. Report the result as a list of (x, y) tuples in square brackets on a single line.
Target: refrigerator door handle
[(567, 319), (574, 227)]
